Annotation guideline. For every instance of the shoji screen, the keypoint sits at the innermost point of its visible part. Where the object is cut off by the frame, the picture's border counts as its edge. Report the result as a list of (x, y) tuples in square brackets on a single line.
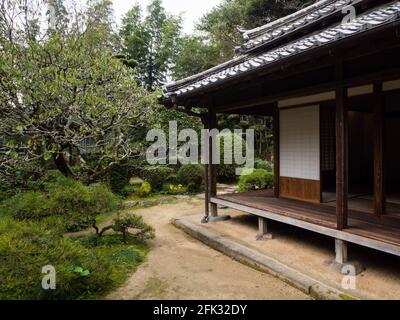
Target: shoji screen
[(300, 153)]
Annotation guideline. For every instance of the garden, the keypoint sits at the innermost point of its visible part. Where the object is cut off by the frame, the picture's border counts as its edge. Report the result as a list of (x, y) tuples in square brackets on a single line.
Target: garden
[(78, 95), (86, 233)]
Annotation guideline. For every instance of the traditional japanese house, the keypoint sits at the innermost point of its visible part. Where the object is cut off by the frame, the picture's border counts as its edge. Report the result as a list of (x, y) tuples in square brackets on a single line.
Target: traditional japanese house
[(331, 82)]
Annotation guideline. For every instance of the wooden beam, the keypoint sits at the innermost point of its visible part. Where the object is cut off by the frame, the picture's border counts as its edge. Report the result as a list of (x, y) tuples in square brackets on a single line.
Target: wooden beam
[(309, 90), (213, 168), (276, 131), (341, 158), (379, 150)]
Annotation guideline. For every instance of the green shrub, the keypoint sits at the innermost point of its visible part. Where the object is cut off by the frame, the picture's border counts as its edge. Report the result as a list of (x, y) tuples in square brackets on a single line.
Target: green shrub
[(129, 190), (76, 205), (194, 188), (25, 248), (23, 177), (83, 270), (29, 205), (118, 178), (144, 190), (156, 175), (257, 180), (142, 231), (191, 173), (263, 164), (227, 172), (174, 189)]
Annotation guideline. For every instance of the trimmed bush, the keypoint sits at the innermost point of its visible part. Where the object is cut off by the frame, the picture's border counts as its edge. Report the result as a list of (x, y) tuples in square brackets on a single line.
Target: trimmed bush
[(156, 175), (227, 172), (194, 188), (118, 178), (263, 164), (25, 249), (125, 222), (191, 174), (83, 271), (144, 190), (257, 180), (73, 203), (174, 189)]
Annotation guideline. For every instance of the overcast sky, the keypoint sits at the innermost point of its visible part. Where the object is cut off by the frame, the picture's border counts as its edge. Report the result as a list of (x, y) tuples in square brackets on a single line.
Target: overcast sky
[(192, 10)]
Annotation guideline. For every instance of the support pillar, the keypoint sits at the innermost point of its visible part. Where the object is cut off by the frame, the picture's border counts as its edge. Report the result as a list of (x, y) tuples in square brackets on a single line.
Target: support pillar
[(213, 170), (379, 151), (341, 263), (342, 166), (341, 251), (276, 131), (263, 229), (207, 196)]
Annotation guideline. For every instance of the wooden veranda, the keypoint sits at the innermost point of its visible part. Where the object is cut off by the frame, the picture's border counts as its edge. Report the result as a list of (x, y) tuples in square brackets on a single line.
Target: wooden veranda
[(363, 228), (333, 91)]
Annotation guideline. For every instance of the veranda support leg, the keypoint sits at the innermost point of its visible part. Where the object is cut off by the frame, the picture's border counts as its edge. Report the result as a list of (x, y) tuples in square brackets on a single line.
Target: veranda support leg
[(341, 263), (263, 230), (341, 251)]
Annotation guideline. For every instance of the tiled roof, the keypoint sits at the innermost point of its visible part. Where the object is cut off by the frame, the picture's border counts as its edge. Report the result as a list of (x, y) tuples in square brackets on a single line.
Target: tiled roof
[(240, 66), (294, 22)]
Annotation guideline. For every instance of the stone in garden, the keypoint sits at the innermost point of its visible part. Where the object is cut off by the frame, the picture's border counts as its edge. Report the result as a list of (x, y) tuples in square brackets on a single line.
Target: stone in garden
[(180, 197), (130, 204), (163, 200)]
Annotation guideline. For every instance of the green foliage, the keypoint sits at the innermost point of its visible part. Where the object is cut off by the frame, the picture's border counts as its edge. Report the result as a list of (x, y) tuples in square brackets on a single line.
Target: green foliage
[(257, 180), (223, 22), (263, 164), (196, 54), (191, 174), (25, 249), (129, 190), (75, 204), (150, 42), (194, 188), (156, 175), (140, 230), (174, 189), (118, 178), (144, 190), (29, 205), (73, 95), (227, 172), (82, 271)]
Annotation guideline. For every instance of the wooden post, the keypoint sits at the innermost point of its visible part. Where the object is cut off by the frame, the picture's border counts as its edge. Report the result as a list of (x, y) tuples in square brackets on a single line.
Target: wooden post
[(341, 251), (341, 158), (379, 151), (276, 151), (206, 179), (213, 168), (263, 230), (207, 194)]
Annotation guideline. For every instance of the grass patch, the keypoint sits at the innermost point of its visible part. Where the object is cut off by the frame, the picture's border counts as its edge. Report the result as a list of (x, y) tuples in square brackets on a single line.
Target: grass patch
[(346, 297)]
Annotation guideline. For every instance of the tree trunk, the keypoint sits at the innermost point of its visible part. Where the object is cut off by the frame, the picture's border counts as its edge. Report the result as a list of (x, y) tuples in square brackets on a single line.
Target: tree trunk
[(62, 165)]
